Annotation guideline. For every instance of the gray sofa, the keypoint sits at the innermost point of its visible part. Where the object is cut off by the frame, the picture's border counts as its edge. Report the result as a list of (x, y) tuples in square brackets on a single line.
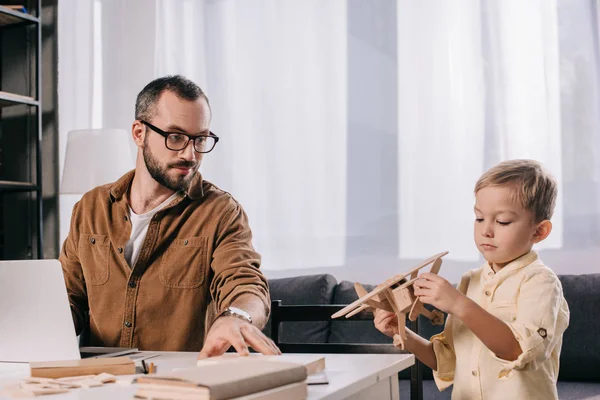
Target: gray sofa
[(579, 376)]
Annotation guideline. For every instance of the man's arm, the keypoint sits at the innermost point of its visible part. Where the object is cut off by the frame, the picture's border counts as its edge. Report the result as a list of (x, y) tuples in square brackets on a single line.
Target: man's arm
[(73, 275), (237, 282), (254, 306), (236, 266)]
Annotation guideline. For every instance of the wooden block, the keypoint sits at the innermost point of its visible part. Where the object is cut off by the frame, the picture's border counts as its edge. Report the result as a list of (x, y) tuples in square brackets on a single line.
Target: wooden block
[(90, 366)]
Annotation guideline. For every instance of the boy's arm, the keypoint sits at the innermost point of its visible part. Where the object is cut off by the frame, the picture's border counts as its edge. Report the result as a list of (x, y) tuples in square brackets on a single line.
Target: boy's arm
[(387, 323), (421, 348), (542, 316), (493, 332)]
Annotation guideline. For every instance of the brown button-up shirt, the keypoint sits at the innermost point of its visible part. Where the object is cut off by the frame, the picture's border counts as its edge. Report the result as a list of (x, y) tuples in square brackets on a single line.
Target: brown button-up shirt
[(197, 252)]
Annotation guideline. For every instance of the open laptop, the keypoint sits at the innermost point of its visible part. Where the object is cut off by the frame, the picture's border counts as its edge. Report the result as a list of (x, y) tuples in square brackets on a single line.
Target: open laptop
[(35, 316)]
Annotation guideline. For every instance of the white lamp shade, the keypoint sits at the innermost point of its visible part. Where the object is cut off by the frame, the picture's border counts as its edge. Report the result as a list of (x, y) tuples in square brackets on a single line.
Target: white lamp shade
[(95, 157)]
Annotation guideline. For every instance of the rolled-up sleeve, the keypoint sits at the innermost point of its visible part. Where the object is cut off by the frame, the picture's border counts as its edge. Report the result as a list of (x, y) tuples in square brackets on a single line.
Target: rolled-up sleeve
[(445, 357), (542, 317), (235, 263)]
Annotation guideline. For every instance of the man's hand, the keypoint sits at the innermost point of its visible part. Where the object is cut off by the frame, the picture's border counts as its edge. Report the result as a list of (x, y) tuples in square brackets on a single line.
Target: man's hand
[(232, 331), (435, 290), (386, 322)]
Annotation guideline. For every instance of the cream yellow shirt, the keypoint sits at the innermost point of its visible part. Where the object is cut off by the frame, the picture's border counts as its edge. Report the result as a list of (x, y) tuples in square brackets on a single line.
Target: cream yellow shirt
[(526, 295)]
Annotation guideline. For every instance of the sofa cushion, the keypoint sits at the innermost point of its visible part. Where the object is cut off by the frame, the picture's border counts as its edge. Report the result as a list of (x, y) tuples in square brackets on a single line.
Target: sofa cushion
[(580, 355), (430, 390), (578, 390), (302, 290)]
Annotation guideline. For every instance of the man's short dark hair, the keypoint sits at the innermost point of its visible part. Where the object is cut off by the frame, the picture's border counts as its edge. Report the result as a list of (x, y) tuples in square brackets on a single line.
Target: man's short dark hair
[(145, 104)]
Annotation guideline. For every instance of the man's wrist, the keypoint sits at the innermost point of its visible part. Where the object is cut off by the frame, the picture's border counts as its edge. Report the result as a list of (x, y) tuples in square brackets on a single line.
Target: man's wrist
[(237, 313)]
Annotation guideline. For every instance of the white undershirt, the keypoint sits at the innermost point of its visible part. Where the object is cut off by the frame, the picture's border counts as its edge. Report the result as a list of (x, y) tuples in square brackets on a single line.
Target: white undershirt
[(139, 228)]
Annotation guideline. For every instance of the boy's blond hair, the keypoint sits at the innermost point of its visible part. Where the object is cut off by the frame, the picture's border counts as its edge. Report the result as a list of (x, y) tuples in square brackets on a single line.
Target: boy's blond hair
[(534, 188)]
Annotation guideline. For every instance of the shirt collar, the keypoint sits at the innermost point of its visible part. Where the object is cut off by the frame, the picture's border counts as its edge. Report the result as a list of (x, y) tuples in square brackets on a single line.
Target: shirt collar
[(521, 262)]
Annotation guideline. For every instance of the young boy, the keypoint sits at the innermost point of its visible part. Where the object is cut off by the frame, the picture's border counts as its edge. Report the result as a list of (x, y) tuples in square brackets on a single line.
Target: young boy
[(505, 323)]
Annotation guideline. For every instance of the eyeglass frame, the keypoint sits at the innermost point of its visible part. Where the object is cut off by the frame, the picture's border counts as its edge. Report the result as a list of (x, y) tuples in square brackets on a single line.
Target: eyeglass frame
[(192, 138)]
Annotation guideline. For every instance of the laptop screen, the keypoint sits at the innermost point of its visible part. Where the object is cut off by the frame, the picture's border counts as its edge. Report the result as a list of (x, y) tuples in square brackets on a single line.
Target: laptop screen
[(35, 316)]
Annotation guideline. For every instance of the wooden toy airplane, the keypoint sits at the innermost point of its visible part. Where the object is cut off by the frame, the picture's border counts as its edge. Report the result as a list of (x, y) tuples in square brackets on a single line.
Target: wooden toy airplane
[(397, 295)]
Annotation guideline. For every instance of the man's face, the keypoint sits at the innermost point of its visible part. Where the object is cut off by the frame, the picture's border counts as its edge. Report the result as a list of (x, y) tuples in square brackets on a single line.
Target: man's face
[(175, 169), (504, 230)]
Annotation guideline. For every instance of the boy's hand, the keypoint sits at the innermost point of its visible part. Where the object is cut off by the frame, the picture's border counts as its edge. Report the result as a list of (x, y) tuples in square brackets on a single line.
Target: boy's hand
[(386, 322), (435, 290)]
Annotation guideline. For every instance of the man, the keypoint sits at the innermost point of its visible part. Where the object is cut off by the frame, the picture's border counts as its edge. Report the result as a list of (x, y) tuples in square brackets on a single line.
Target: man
[(148, 255)]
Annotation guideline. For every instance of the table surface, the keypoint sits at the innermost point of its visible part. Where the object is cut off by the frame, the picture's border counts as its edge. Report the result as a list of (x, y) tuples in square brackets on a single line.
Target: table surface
[(347, 374)]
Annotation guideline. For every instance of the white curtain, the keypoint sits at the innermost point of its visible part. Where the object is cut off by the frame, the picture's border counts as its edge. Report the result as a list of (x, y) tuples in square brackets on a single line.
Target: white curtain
[(275, 73), (106, 55), (579, 35), (478, 84)]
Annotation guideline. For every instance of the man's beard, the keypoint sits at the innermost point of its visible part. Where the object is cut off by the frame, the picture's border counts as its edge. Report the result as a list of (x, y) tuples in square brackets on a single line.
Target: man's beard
[(160, 174)]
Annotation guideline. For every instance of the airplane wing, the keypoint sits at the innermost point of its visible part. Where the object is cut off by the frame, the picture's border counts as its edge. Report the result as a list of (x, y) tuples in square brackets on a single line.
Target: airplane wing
[(379, 289)]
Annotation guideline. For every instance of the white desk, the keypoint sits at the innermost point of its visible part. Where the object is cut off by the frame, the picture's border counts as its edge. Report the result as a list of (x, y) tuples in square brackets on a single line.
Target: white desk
[(351, 376)]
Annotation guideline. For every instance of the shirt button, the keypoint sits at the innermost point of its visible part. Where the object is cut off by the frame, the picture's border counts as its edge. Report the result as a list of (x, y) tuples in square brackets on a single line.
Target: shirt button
[(474, 373), (128, 324), (185, 242), (126, 218), (487, 293), (92, 240), (131, 284), (120, 249)]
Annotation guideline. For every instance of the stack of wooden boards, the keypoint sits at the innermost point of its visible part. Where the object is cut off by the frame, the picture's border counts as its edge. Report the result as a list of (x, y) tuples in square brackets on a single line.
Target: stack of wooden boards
[(231, 377)]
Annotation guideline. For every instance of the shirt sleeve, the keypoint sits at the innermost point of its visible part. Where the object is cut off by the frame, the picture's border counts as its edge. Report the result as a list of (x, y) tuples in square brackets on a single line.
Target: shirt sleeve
[(235, 263), (73, 274), (445, 357), (541, 319), (443, 346)]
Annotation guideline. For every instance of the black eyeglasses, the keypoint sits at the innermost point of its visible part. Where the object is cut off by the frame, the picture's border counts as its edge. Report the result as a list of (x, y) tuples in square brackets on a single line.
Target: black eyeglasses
[(178, 141)]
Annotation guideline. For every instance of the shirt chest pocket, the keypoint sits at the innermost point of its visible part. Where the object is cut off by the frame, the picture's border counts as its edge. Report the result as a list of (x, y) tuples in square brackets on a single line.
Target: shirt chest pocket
[(94, 255), (505, 311), (183, 265)]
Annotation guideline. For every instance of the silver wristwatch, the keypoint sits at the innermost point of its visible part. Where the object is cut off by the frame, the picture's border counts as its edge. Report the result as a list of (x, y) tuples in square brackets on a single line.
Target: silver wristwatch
[(236, 312)]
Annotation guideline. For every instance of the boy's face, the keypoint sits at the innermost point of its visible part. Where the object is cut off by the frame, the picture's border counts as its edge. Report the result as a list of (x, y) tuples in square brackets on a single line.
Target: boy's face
[(504, 230)]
